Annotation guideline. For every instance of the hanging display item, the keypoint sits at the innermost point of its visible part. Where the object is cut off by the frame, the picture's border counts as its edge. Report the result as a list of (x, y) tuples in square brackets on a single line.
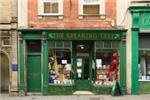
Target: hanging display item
[(107, 68)]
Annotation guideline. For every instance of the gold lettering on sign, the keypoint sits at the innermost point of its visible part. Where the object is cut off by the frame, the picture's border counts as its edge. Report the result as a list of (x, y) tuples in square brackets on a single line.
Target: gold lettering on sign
[(86, 36)]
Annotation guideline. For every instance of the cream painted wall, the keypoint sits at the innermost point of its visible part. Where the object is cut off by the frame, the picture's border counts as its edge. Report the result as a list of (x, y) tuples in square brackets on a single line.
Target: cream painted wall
[(5, 11), (22, 14), (124, 20)]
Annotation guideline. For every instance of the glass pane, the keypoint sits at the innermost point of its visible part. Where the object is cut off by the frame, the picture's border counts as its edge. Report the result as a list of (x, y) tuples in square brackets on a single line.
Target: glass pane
[(59, 67), (107, 44), (99, 44), (6, 41), (144, 39), (91, 9), (67, 44), (51, 44), (47, 7), (59, 44), (34, 46), (144, 65), (115, 44), (54, 8)]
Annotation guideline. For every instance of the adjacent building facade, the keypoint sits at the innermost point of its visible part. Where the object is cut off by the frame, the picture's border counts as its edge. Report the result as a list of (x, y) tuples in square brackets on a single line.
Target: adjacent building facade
[(8, 46)]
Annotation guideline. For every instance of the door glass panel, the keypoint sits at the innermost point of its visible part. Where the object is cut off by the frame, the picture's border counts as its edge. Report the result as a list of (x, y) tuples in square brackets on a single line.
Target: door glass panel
[(34, 46), (79, 68), (86, 69)]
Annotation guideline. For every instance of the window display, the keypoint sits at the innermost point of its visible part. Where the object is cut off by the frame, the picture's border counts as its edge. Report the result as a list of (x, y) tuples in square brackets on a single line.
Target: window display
[(144, 65), (106, 67), (59, 67)]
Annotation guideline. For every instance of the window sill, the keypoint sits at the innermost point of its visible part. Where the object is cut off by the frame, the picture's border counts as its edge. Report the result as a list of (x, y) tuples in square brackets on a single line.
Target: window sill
[(6, 46), (102, 17), (51, 84), (49, 15), (140, 80)]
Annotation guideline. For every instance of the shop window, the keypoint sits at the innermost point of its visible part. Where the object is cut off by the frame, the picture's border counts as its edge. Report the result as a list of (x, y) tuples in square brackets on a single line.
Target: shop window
[(60, 66), (50, 7), (107, 62), (60, 62), (144, 65), (34, 46)]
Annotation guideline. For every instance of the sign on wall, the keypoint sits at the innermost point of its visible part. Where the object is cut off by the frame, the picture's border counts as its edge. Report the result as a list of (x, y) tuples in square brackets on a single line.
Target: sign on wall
[(84, 36)]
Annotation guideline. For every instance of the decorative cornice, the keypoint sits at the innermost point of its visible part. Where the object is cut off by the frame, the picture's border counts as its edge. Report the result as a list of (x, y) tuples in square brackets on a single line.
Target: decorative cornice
[(139, 9)]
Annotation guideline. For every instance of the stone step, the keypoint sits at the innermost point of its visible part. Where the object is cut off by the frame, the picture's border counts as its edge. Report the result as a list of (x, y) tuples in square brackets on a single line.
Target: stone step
[(83, 93)]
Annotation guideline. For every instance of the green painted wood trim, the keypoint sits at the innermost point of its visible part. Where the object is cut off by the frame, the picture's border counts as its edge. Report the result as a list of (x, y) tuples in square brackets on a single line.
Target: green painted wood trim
[(61, 89), (144, 87), (34, 54), (134, 48), (134, 62), (90, 66), (21, 63), (139, 8), (144, 49), (45, 66), (87, 30), (32, 36), (123, 67), (101, 89)]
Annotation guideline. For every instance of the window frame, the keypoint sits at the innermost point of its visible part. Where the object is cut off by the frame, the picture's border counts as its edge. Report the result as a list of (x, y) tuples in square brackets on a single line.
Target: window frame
[(101, 4), (41, 7)]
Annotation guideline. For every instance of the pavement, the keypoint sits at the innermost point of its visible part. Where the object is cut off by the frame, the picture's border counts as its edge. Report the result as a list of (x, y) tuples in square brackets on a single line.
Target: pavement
[(76, 97)]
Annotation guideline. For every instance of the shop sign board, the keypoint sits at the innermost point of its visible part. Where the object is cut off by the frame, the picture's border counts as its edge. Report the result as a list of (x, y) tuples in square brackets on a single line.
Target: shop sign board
[(144, 20), (84, 36)]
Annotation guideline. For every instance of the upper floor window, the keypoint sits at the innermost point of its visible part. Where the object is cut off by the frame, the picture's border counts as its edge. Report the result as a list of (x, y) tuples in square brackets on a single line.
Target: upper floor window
[(91, 7), (50, 7), (5, 40)]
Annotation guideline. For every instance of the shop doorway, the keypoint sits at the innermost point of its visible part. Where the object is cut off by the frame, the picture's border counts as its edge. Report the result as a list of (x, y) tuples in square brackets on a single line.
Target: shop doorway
[(34, 66), (4, 73), (83, 68)]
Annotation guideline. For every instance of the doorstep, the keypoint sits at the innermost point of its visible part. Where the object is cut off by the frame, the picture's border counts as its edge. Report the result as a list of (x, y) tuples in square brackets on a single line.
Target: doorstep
[(83, 93)]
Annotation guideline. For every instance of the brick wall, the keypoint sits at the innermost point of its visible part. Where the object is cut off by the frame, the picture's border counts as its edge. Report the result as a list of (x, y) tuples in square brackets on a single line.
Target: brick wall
[(70, 17)]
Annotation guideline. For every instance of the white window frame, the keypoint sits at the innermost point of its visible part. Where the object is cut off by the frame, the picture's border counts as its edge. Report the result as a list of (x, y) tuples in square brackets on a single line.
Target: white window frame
[(91, 2), (6, 45), (41, 7)]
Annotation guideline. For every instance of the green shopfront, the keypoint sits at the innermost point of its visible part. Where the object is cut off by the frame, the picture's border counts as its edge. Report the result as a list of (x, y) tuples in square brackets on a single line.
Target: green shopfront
[(140, 49), (58, 62)]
